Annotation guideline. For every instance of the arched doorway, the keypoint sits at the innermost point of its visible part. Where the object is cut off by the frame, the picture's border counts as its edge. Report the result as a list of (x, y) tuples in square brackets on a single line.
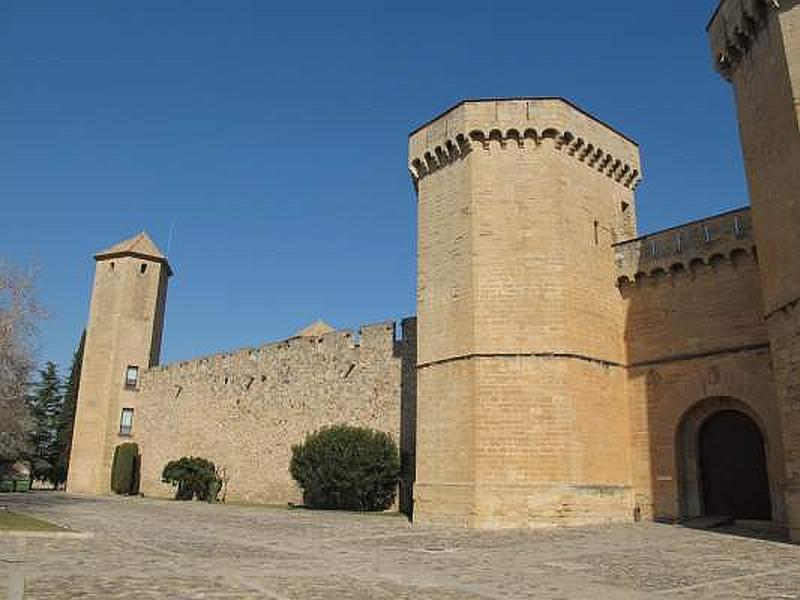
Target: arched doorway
[(733, 467), (724, 464)]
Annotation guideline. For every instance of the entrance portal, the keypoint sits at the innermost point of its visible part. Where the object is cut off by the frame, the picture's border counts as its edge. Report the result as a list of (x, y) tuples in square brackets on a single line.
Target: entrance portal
[(733, 467)]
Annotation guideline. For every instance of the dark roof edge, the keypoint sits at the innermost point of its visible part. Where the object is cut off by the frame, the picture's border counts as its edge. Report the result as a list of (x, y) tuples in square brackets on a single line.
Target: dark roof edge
[(121, 253), (716, 12), (681, 226), (529, 98)]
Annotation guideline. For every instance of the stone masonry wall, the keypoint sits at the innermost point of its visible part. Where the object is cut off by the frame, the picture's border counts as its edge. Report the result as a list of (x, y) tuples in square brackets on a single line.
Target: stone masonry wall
[(520, 345), (756, 46), (124, 329), (696, 340), (244, 410)]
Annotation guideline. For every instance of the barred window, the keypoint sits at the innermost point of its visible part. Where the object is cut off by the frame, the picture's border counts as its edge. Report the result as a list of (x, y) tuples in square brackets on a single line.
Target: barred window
[(132, 376), (126, 421)]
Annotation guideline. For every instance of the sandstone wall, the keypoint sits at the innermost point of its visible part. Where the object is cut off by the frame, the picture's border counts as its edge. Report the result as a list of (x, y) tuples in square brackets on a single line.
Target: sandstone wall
[(696, 340), (245, 409), (756, 46), (124, 329), (520, 324), (784, 328)]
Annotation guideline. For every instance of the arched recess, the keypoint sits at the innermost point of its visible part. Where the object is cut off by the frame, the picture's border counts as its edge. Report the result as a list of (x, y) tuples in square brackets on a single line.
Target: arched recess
[(723, 457)]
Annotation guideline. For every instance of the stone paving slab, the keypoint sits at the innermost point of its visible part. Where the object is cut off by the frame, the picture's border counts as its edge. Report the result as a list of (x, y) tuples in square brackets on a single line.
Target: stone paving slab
[(146, 548)]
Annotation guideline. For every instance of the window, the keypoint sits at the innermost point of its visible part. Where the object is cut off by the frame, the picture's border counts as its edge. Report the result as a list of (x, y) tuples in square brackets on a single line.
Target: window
[(132, 376), (738, 228), (126, 421), (143, 268)]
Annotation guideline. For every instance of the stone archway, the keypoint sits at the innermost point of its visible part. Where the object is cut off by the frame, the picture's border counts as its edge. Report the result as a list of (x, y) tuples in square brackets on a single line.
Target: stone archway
[(723, 462)]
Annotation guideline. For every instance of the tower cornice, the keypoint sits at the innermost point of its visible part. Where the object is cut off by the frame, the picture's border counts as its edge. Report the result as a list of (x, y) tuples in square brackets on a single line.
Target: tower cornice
[(734, 27), (521, 123)]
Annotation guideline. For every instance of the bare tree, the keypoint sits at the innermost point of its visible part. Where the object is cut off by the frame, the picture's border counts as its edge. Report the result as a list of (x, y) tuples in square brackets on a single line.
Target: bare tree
[(20, 314)]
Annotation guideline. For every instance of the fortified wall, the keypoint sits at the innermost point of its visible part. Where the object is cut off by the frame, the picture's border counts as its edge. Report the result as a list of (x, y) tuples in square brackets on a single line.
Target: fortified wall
[(755, 45), (245, 409), (569, 372), (520, 325), (694, 332)]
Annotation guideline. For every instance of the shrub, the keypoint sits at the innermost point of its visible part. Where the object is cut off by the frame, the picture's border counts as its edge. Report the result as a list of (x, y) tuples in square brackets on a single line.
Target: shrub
[(195, 477), (124, 479), (344, 467)]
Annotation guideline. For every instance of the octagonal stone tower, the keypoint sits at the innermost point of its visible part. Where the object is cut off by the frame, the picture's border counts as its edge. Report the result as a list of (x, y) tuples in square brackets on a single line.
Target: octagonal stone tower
[(756, 46), (123, 339), (522, 414)]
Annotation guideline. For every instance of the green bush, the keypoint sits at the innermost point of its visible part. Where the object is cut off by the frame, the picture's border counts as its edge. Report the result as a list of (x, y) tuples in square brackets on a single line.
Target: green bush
[(124, 479), (344, 467), (195, 477)]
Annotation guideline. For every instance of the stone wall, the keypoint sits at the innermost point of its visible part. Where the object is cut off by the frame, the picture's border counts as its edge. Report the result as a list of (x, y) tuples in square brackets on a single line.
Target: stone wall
[(756, 46), (520, 325), (784, 328), (696, 340), (685, 247), (245, 409), (124, 329)]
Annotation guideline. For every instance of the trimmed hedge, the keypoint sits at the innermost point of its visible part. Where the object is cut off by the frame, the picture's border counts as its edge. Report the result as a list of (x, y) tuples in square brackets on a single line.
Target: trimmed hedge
[(195, 477), (124, 476), (15, 485), (345, 467)]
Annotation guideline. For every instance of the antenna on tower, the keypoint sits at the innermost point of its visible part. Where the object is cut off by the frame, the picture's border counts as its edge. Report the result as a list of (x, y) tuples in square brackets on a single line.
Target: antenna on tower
[(169, 239)]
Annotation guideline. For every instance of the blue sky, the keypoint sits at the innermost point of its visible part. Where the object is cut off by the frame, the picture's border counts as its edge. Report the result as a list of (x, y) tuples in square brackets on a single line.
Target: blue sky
[(273, 137)]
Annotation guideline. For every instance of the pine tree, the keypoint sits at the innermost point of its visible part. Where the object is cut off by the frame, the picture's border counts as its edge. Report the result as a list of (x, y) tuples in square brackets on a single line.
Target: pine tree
[(66, 420), (46, 402)]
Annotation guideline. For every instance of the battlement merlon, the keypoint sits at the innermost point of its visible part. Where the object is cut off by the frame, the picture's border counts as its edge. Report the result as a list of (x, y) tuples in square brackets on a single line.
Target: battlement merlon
[(523, 121), (735, 25)]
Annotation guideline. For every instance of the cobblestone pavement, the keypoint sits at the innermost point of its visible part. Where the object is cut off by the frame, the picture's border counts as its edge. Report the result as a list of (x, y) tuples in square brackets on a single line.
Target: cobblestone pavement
[(158, 549)]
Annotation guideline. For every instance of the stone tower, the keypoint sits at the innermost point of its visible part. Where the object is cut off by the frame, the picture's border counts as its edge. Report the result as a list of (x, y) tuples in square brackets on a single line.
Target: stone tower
[(123, 338), (522, 416), (756, 46)]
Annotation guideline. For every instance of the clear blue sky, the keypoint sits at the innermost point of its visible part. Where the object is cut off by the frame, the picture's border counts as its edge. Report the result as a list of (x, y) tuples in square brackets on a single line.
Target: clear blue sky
[(273, 136)]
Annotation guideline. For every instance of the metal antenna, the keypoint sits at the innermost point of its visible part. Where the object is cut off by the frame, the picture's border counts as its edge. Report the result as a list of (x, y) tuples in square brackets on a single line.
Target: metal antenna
[(169, 239)]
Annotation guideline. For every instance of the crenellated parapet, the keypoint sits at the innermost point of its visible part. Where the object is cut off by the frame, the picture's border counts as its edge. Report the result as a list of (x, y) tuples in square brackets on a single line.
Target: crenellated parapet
[(725, 238), (374, 339), (525, 124), (734, 27)]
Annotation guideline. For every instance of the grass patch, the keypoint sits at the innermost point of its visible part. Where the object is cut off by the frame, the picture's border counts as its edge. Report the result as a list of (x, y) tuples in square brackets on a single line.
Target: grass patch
[(11, 521)]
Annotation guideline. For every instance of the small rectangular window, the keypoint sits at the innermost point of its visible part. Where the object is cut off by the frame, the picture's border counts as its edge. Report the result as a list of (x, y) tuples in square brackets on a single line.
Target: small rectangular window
[(737, 226), (132, 376), (126, 421)]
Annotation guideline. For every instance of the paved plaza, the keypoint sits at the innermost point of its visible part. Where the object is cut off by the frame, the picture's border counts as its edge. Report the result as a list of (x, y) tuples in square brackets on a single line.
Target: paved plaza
[(159, 549)]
